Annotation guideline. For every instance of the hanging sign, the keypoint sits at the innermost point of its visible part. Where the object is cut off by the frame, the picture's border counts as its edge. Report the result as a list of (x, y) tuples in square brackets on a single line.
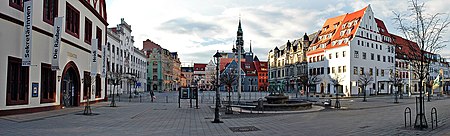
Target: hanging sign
[(56, 42), (94, 60), (27, 32), (104, 61)]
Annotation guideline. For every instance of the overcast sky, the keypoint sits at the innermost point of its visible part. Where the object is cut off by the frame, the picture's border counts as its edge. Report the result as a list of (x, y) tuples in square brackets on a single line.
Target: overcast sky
[(197, 28)]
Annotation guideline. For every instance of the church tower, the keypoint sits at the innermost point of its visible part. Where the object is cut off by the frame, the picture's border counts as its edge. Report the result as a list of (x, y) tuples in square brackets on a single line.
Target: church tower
[(240, 38)]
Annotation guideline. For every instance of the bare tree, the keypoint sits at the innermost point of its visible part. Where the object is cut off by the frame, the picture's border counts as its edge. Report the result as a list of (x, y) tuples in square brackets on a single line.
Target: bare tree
[(396, 82), (337, 80), (228, 79), (308, 81), (427, 31), (364, 80)]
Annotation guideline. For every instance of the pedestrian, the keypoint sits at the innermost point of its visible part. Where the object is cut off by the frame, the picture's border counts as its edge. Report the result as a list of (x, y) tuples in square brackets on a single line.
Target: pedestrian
[(152, 95)]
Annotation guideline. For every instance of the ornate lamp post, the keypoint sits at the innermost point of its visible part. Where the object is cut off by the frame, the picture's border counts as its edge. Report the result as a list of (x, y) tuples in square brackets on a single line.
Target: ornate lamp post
[(216, 110)]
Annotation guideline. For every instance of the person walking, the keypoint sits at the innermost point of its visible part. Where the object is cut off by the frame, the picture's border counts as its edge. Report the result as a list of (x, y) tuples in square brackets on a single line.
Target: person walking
[(152, 95)]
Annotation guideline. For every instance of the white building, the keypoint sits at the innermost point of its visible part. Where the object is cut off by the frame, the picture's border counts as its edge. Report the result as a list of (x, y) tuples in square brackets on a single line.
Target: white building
[(348, 46), (126, 60), (37, 87)]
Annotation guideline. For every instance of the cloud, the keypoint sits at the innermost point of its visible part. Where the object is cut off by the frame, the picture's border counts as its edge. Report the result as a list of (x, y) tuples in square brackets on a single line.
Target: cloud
[(190, 26), (197, 28)]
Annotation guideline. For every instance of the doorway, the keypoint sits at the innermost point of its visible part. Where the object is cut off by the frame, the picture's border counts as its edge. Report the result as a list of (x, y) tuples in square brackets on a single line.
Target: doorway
[(70, 86)]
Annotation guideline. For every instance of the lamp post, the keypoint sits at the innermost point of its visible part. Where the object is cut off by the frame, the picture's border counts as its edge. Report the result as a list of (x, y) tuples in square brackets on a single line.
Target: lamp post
[(216, 109)]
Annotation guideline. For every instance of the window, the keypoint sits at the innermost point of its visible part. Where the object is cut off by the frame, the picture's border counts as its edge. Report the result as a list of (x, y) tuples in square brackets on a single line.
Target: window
[(339, 69), (50, 10), (372, 56), (367, 44), (99, 37), (337, 55), (343, 53), (322, 70), (48, 84), (17, 82), (344, 69), (113, 47), (378, 57), (371, 71), (362, 43), (17, 4), (381, 47), (364, 55), (328, 70), (356, 54), (98, 86), (355, 70), (384, 58), (72, 20), (358, 42), (372, 45), (333, 70), (87, 84), (87, 31), (329, 56), (361, 72), (377, 72)]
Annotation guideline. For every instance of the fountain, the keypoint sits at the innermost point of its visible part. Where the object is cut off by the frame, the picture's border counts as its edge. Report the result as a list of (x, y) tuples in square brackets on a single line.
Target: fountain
[(277, 101)]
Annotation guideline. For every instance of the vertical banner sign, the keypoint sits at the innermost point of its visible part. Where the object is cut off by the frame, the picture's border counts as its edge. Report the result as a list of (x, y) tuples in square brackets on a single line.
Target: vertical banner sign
[(94, 43), (104, 61), (56, 42), (27, 31)]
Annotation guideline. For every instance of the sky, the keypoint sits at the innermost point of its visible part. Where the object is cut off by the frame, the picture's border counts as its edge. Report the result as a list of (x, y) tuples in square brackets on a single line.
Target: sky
[(197, 28)]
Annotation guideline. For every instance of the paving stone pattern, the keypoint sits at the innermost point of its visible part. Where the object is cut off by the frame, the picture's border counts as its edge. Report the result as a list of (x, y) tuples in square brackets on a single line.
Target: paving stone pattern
[(378, 116)]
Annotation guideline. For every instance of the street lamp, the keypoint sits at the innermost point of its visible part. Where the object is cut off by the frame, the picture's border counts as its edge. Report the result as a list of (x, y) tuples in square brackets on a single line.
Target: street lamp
[(216, 110)]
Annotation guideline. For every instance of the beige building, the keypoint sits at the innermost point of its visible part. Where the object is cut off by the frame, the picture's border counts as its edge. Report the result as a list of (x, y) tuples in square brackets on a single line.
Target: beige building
[(38, 87)]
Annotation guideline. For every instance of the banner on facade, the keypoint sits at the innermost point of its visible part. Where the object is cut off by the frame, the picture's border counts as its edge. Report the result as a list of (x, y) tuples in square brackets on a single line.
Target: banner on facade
[(57, 28), (27, 32), (104, 61), (94, 43)]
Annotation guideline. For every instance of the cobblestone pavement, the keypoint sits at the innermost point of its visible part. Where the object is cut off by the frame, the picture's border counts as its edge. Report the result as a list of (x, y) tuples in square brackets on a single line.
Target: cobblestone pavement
[(378, 116)]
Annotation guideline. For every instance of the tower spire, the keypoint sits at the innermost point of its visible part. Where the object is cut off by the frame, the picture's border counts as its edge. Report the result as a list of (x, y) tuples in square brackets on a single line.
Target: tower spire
[(251, 46)]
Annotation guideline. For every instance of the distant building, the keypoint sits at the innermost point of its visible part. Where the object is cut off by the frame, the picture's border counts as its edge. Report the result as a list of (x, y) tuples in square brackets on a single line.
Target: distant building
[(256, 78), (126, 60), (163, 67), (188, 74)]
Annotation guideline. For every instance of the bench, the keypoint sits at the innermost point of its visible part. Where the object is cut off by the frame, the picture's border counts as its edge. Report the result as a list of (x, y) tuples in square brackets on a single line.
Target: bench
[(251, 107)]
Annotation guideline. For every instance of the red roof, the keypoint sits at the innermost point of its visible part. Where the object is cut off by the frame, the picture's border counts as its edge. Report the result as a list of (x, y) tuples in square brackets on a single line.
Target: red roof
[(334, 26), (199, 66), (406, 49)]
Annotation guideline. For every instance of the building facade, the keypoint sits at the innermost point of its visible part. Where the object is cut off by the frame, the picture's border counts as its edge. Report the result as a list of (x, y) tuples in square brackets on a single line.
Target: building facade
[(346, 47), (161, 75), (38, 86), (188, 74), (125, 60)]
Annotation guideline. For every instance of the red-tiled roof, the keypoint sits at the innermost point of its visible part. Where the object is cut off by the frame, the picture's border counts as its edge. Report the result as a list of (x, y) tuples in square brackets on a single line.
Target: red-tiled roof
[(406, 49), (199, 67), (335, 26)]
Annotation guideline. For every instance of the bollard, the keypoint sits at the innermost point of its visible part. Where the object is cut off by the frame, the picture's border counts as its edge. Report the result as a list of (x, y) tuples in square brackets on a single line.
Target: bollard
[(434, 120), (407, 112)]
